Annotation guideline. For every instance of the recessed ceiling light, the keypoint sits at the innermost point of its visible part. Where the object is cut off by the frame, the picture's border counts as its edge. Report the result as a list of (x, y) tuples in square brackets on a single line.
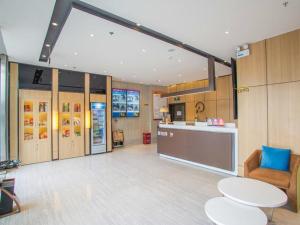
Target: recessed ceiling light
[(92, 35), (44, 56), (143, 50), (47, 45), (226, 32), (54, 24), (75, 53)]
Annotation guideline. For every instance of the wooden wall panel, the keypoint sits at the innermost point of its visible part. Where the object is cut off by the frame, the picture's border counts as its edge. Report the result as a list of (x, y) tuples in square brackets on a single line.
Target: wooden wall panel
[(252, 121), (97, 98), (190, 111), (54, 114), (13, 111), (109, 113), (283, 119), (211, 109), (251, 70), (87, 114), (283, 58), (223, 87), (223, 109)]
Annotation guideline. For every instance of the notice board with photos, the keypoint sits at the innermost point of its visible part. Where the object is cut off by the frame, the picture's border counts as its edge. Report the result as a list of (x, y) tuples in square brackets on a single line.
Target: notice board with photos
[(158, 103)]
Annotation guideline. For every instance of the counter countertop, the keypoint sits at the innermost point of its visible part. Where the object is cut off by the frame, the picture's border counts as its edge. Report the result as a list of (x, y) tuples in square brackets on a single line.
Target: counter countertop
[(225, 129)]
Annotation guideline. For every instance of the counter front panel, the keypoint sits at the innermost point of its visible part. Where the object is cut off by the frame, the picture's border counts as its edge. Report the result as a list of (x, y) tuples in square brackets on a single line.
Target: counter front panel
[(208, 148)]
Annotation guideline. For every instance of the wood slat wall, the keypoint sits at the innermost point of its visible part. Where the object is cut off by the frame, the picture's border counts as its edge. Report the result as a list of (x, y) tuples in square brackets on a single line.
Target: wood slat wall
[(13, 111), (269, 112)]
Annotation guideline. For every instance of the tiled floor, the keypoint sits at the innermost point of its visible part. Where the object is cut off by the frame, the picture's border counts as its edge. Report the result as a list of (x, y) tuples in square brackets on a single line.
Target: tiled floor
[(131, 186)]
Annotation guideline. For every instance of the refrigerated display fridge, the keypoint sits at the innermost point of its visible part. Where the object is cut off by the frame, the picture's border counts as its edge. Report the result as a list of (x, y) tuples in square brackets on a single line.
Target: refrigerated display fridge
[(98, 127)]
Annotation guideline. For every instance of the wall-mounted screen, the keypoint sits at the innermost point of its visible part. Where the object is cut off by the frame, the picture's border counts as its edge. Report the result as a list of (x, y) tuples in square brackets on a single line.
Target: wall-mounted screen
[(119, 102), (133, 103)]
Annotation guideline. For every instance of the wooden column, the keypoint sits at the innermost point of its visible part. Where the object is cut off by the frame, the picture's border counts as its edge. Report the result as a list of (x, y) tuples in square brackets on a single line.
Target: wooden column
[(13, 110), (108, 113), (87, 115), (55, 154)]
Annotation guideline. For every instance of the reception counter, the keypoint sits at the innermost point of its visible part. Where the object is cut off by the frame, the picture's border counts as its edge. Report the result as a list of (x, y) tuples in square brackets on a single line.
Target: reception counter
[(206, 146)]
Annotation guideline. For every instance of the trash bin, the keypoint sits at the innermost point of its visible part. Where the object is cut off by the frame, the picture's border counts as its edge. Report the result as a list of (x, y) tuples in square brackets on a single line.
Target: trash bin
[(146, 138)]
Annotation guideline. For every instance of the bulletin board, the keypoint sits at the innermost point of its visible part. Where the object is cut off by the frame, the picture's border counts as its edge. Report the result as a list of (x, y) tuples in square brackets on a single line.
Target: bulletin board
[(158, 102)]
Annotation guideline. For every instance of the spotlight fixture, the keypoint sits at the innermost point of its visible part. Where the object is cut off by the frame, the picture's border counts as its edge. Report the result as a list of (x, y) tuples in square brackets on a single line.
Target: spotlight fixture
[(92, 35), (47, 45), (75, 53), (227, 32), (54, 24), (138, 24), (44, 56)]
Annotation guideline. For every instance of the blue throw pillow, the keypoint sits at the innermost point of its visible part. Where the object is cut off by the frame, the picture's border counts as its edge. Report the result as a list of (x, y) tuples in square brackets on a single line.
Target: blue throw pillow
[(275, 158)]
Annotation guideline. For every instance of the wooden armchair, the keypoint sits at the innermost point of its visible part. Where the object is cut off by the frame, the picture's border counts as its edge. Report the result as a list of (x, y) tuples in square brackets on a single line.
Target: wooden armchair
[(285, 180)]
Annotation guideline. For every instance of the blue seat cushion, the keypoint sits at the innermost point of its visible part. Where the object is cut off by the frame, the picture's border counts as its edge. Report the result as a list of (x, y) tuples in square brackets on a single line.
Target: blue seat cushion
[(275, 158)]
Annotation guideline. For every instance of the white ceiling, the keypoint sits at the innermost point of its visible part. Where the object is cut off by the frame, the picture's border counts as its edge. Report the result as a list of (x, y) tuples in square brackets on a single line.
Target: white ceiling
[(200, 23)]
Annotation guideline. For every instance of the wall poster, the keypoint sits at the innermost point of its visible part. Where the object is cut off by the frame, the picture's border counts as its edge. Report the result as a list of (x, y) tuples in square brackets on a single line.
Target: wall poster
[(133, 103), (119, 102)]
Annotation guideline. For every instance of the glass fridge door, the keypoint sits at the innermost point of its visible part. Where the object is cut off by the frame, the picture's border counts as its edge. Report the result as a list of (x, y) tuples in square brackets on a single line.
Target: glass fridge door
[(98, 129)]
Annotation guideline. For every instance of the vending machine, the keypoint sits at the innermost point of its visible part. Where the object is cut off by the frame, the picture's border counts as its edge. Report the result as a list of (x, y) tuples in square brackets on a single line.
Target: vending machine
[(98, 127)]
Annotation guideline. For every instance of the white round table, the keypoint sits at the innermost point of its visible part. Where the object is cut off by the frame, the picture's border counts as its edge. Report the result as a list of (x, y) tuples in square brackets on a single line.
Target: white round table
[(224, 211), (252, 192)]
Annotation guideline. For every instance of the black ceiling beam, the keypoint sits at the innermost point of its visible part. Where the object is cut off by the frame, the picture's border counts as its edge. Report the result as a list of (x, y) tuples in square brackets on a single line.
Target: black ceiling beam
[(63, 8)]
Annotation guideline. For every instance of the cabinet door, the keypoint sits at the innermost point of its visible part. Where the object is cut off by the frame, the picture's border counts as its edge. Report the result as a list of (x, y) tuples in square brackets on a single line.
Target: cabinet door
[(283, 58), (252, 124), (35, 126), (71, 130), (251, 70), (65, 115), (43, 128), (78, 125)]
